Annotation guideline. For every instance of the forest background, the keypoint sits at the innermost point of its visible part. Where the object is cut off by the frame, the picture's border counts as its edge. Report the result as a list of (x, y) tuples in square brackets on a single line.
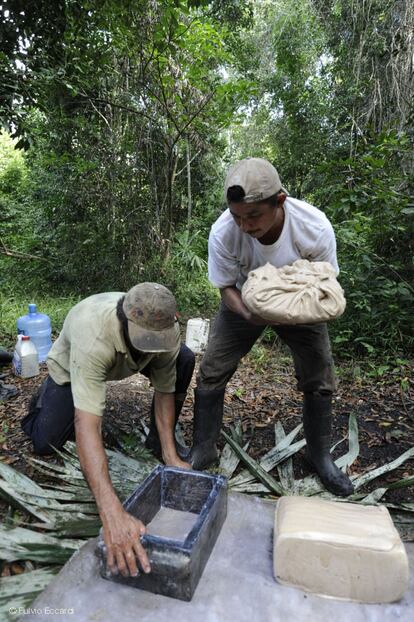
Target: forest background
[(121, 117)]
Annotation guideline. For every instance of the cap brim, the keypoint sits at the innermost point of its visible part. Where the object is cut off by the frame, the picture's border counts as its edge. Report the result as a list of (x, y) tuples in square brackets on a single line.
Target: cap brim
[(153, 341)]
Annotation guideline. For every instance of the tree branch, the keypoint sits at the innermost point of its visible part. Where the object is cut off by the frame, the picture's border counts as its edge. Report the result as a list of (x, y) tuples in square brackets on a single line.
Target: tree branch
[(181, 131), (6, 251)]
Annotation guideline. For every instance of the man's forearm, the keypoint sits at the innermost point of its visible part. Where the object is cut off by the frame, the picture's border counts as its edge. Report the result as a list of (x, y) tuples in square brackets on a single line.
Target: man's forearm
[(165, 422), (94, 463), (121, 531), (231, 297)]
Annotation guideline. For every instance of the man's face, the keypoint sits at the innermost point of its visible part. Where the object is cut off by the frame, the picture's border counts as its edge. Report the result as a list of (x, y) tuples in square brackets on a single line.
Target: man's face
[(256, 219)]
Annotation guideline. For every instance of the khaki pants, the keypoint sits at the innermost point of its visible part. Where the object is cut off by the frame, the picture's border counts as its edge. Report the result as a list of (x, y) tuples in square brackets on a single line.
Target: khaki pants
[(232, 337)]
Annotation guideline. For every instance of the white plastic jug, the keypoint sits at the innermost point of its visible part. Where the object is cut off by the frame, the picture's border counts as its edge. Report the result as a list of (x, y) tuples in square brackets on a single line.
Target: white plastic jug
[(25, 358), (196, 337)]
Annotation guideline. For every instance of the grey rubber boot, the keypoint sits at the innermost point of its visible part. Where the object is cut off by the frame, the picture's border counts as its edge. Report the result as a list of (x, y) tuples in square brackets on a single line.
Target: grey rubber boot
[(208, 417), (317, 424), (153, 443)]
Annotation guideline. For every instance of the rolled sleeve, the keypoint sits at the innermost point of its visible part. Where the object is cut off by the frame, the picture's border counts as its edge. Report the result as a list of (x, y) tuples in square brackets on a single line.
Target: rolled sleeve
[(163, 371)]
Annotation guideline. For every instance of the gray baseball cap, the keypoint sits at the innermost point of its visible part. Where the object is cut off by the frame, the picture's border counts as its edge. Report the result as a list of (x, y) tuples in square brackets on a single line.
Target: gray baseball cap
[(258, 178), (150, 309)]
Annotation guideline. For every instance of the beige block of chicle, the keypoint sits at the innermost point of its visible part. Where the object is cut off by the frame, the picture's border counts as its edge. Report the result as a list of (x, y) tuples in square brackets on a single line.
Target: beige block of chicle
[(301, 293), (339, 550)]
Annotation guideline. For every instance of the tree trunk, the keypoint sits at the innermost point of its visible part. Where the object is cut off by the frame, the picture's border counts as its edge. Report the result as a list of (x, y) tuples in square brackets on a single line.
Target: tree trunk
[(189, 199)]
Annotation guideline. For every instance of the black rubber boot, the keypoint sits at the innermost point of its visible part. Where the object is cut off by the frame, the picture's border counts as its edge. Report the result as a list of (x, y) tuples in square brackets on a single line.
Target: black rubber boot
[(317, 423), (5, 357), (153, 443), (208, 417)]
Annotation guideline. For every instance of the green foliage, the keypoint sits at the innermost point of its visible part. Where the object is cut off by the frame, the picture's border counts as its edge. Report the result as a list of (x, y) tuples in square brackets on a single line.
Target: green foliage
[(371, 48), (126, 136), (13, 172), (187, 251), (385, 369), (259, 357), (186, 273), (292, 96), (367, 198), (115, 114), (32, 38), (320, 119)]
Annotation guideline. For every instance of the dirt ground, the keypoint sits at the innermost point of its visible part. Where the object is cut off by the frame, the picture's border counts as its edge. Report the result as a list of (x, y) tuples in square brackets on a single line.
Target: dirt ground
[(261, 392)]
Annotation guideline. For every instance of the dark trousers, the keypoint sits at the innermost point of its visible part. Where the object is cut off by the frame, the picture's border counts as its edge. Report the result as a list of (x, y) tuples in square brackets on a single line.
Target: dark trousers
[(232, 337), (50, 422)]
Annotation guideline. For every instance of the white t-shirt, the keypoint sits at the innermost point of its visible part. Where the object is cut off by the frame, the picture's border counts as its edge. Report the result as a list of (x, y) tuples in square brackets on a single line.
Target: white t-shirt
[(232, 254)]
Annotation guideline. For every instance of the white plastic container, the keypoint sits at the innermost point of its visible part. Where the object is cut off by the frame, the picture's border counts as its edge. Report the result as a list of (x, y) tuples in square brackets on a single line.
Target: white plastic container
[(196, 337), (25, 358)]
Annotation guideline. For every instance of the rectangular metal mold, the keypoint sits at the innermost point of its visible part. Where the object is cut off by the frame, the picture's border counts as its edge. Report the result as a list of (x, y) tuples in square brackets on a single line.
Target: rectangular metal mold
[(176, 565)]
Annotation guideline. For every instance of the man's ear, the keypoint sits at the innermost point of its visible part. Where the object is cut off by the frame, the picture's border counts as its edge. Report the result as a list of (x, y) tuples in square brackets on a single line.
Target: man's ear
[(281, 198)]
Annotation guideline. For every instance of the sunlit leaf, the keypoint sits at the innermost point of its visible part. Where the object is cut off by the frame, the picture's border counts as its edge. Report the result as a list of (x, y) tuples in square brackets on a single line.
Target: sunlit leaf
[(353, 452), (229, 460), (285, 468), (386, 468)]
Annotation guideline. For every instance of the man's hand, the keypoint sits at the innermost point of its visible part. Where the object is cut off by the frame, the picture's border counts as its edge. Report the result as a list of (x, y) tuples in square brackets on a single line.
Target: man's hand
[(122, 534), (257, 320), (231, 297)]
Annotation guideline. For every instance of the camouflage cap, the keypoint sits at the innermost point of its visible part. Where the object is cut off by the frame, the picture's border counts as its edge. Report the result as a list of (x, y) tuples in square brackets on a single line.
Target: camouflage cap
[(150, 309), (258, 178)]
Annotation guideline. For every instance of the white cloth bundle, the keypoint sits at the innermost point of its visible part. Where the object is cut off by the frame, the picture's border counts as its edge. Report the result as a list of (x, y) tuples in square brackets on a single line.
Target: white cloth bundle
[(304, 293)]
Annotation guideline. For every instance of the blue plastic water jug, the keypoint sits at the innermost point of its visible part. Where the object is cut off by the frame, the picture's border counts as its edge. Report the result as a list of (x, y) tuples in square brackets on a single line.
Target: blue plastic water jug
[(38, 327)]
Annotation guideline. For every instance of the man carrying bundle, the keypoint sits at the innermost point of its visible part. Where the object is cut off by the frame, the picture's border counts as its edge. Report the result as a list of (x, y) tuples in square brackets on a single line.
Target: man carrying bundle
[(262, 225)]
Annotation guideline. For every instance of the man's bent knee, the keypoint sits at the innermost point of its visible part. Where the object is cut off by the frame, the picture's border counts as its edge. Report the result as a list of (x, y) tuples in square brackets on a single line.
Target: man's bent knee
[(50, 421), (42, 447)]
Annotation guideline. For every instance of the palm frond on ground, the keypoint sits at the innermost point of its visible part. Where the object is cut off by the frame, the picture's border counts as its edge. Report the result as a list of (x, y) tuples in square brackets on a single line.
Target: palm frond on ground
[(64, 515), (255, 479)]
